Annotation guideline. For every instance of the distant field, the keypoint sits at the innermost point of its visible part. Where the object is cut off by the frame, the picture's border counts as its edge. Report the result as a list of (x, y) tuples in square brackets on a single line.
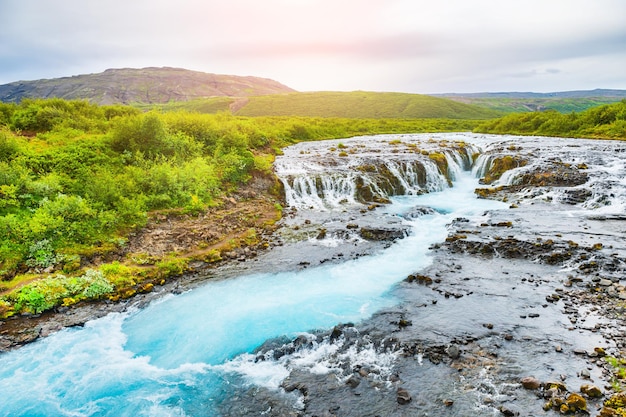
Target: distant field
[(519, 105), (362, 104), (354, 105)]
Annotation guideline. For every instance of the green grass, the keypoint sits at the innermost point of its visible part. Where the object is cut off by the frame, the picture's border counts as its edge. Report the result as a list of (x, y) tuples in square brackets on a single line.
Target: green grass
[(350, 105), (603, 122), (209, 105), (518, 105), (362, 104)]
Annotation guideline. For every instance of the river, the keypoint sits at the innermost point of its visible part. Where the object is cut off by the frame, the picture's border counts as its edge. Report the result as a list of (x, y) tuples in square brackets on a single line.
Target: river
[(189, 354)]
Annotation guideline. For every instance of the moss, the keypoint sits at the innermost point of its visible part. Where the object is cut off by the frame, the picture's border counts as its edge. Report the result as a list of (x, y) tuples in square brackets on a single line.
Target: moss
[(441, 161), (486, 192), (502, 164), (591, 391), (456, 237), (575, 402), (617, 400)]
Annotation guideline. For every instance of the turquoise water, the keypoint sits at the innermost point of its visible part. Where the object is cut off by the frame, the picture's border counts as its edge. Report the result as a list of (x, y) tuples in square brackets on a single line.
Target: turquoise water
[(180, 355)]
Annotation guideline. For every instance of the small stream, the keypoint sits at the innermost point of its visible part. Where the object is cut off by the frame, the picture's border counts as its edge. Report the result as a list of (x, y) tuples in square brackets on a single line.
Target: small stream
[(208, 350)]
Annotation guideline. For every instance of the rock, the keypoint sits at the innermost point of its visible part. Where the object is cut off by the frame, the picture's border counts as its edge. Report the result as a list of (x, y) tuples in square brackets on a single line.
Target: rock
[(508, 412), (420, 279), (555, 385), (600, 351), (353, 381), (591, 391), (453, 351), (448, 402), (575, 403), (530, 382), (403, 396), (381, 234), (419, 211)]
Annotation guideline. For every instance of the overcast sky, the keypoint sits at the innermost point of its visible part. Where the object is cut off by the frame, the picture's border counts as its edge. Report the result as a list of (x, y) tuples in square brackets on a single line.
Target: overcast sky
[(416, 46)]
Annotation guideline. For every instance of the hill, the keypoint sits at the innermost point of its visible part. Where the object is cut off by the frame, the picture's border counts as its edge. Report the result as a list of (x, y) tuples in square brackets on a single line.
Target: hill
[(603, 122), (561, 101), (362, 104), (145, 85)]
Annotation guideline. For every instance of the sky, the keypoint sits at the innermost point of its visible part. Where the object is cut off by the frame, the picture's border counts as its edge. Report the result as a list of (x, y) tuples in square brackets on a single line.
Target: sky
[(413, 46)]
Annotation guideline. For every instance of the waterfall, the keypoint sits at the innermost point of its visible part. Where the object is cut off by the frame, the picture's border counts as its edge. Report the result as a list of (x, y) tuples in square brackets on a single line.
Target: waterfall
[(322, 179)]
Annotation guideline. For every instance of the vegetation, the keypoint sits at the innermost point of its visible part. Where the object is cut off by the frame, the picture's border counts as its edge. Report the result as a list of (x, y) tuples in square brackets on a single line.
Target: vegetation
[(522, 105), (77, 178), (362, 104), (607, 122)]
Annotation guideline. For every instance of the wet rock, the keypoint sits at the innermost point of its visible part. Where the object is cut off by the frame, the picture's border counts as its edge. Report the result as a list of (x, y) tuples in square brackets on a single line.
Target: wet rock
[(420, 279), (574, 403), (419, 211), (453, 351), (448, 403), (353, 381), (530, 383), (505, 411), (591, 391), (381, 234), (403, 396)]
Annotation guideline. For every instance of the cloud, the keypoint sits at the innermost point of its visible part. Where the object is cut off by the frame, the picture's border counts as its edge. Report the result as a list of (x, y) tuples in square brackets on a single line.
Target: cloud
[(395, 45)]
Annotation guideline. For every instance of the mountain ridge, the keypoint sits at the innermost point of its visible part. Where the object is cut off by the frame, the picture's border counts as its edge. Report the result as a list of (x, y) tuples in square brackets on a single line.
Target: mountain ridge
[(143, 85)]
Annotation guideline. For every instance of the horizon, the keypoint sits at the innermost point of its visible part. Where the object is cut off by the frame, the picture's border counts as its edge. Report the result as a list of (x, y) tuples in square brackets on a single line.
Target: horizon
[(411, 46), (448, 93)]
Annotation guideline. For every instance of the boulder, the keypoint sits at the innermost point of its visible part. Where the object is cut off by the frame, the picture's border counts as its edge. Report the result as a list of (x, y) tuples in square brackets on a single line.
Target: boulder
[(530, 383), (403, 396), (381, 234)]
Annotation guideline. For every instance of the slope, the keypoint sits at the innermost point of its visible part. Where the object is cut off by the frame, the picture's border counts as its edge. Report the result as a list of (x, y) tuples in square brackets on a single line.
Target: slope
[(145, 85), (362, 104)]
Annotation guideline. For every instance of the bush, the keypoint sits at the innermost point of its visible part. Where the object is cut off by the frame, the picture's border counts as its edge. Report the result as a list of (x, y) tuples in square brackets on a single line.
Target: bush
[(53, 291)]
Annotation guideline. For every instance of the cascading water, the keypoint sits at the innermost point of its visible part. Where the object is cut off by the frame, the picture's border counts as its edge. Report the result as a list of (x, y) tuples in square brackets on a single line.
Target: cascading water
[(180, 355), (371, 170)]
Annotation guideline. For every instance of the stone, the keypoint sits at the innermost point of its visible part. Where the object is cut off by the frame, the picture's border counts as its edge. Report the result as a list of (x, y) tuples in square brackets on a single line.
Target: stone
[(403, 396), (453, 351), (591, 391), (353, 381), (508, 412), (530, 383), (576, 402)]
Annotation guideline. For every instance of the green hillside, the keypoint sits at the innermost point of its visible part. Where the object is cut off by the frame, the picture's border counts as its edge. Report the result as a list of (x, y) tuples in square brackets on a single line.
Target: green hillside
[(362, 104), (607, 122), (517, 105)]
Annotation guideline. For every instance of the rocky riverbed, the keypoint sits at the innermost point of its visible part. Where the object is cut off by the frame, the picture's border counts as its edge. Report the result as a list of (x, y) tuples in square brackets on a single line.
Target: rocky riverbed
[(520, 313)]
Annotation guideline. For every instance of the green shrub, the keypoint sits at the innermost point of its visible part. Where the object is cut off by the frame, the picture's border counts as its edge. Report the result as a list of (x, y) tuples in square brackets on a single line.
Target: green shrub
[(41, 254), (50, 292)]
